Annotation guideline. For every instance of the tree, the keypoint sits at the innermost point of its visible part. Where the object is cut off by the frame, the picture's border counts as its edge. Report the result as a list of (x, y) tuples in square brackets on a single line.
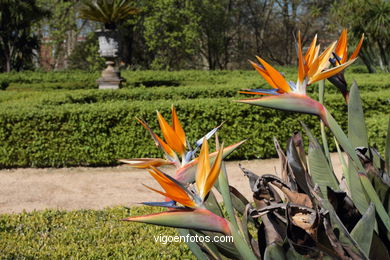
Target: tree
[(17, 40), (62, 30), (171, 30), (85, 55), (373, 19)]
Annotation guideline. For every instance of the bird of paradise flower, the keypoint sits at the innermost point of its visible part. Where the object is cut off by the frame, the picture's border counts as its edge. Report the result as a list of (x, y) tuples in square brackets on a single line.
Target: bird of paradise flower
[(312, 67)]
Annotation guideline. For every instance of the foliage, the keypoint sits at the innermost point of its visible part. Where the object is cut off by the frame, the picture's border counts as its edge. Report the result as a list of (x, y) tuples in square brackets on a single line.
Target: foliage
[(373, 19), (96, 128), (84, 234), (85, 55), (231, 81), (60, 32), (55, 125), (18, 42), (28, 77), (171, 30), (108, 12)]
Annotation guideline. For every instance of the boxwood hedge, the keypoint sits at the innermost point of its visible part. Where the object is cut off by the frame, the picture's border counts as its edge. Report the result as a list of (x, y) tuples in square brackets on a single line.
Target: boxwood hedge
[(42, 134), (85, 234), (70, 80)]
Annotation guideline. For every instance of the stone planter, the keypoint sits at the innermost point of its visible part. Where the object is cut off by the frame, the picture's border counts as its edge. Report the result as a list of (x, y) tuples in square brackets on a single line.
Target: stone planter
[(108, 43), (109, 46)]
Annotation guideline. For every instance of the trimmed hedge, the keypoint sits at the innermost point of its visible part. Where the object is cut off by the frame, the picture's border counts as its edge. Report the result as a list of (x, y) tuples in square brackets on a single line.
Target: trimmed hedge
[(52, 86), (85, 234), (29, 77), (42, 135), (237, 79), (61, 97)]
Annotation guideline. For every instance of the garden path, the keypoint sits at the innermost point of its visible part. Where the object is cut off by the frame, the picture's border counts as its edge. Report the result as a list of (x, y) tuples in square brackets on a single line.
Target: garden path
[(96, 188)]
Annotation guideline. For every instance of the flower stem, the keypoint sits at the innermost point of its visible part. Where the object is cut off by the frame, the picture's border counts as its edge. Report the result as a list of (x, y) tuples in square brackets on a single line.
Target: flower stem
[(321, 91)]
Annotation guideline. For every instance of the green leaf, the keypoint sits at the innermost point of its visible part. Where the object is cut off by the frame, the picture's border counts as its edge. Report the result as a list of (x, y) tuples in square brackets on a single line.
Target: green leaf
[(321, 90), (239, 239), (225, 248), (274, 252), (354, 185), (193, 246), (382, 189), (375, 199), (319, 167), (223, 185), (336, 224), (364, 229), (378, 249), (295, 162), (387, 153), (357, 131), (243, 248), (238, 200), (288, 102), (212, 204), (201, 219), (343, 162), (359, 200)]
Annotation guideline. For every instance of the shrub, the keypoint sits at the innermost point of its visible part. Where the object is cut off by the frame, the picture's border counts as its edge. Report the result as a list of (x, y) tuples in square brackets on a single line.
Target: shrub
[(84, 234), (43, 135)]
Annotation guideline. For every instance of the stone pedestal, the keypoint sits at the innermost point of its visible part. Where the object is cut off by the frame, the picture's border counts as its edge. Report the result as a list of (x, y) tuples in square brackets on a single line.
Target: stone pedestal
[(110, 78)]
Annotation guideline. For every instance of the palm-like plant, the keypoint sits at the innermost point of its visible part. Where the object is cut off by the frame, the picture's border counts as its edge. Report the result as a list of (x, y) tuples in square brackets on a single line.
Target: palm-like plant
[(108, 12)]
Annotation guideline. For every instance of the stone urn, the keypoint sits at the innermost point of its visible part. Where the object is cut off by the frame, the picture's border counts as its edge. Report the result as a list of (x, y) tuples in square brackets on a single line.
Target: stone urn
[(109, 46)]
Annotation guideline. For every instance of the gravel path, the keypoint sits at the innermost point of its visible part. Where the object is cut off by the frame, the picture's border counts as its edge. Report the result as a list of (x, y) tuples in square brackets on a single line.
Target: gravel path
[(96, 188)]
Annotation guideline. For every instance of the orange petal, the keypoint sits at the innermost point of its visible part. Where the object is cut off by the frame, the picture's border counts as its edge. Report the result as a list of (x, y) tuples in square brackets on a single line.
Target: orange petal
[(203, 168), (313, 68), (324, 57), (170, 135), (173, 190), (341, 48), (177, 127), (329, 73), (142, 163), (264, 74), (357, 49), (159, 142), (310, 52), (187, 173), (301, 67), (171, 197), (213, 174), (315, 56), (275, 75)]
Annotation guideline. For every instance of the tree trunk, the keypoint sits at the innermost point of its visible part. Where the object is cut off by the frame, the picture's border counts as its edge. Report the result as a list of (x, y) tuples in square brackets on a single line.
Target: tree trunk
[(367, 62), (8, 65)]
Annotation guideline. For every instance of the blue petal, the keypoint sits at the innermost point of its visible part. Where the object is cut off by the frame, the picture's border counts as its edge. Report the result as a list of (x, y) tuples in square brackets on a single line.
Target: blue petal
[(292, 86), (207, 136), (264, 91), (167, 204), (336, 58)]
